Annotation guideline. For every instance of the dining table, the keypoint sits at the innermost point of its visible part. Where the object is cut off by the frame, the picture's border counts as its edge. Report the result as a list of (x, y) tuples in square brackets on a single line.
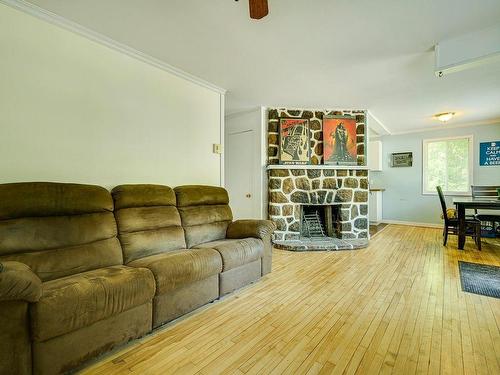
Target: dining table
[(464, 203)]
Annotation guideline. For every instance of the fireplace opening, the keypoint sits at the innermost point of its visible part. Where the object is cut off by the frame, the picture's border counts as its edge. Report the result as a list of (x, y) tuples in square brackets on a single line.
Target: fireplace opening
[(318, 221)]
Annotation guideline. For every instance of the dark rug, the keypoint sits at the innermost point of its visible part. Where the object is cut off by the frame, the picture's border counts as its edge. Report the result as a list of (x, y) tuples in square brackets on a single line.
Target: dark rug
[(480, 279)]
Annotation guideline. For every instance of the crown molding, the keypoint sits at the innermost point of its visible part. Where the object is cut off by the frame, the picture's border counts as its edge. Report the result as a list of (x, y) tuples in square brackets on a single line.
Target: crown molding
[(450, 127), (380, 124), (242, 112), (45, 15)]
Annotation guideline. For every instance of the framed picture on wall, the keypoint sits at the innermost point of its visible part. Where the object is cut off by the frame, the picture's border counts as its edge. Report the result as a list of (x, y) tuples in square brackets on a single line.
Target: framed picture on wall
[(294, 141), (489, 153), (339, 140), (401, 159)]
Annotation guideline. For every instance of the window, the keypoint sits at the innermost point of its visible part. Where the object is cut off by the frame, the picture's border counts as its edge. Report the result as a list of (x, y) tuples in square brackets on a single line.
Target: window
[(447, 163)]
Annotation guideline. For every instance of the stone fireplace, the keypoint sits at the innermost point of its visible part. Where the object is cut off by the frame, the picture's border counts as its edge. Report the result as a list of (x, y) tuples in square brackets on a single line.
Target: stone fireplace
[(342, 195), (317, 206)]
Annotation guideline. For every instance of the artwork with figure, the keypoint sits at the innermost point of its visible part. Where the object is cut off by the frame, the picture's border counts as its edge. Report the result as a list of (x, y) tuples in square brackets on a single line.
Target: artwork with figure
[(294, 141), (339, 140)]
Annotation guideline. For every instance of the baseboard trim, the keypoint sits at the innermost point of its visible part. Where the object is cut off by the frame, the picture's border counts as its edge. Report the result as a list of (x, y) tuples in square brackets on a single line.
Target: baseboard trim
[(76, 28), (379, 231), (412, 223)]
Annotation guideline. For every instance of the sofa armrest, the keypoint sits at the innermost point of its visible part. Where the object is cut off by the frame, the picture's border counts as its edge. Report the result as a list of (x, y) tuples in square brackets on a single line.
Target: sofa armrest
[(19, 283), (262, 229), (251, 228)]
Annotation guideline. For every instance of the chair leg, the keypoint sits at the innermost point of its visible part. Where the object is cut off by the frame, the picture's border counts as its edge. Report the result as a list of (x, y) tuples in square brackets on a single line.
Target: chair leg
[(445, 235), (478, 237)]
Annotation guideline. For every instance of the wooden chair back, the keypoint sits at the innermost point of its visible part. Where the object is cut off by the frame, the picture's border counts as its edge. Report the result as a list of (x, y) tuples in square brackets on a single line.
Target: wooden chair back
[(443, 204), (484, 191)]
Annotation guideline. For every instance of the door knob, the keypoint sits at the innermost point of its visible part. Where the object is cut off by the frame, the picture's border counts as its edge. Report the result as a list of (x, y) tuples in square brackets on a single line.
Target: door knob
[(248, 195)]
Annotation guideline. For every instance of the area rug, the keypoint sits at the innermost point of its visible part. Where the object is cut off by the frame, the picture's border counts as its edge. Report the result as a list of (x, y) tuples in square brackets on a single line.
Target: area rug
[(480, 279)]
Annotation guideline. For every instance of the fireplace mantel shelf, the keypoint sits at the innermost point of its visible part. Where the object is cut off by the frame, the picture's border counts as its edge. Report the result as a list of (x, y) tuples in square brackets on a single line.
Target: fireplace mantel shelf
[(310, 166)]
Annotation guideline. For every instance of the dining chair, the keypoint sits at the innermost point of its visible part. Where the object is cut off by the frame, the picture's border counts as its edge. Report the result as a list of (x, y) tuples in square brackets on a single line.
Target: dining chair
[(485, 192), (472, 225)]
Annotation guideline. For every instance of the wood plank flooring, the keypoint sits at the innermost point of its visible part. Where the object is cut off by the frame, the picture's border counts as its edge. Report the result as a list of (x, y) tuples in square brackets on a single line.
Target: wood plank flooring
[(395, 307), (376, 228)]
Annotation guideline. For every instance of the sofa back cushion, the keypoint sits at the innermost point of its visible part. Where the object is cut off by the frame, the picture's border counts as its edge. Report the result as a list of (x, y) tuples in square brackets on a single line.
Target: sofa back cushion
[(204, 211), (148, 220), (58, 229)]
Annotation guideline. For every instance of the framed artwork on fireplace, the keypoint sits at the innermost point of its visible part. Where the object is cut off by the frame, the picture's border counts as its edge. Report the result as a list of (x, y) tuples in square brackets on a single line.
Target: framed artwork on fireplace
[(294, 141), (339, 140)]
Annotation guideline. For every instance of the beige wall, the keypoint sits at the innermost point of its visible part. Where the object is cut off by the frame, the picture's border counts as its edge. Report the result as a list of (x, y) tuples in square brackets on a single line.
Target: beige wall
[(74, 110)]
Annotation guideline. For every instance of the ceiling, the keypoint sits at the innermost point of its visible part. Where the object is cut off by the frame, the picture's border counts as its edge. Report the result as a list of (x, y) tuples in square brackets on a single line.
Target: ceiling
[(317, 54)]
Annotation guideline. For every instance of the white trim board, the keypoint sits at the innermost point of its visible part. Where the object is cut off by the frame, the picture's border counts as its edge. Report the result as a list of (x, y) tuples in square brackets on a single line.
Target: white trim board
[(76, 28), (440, 126), (380, 124), (243, 112), (263, 162), (222, 104), (412, 223)]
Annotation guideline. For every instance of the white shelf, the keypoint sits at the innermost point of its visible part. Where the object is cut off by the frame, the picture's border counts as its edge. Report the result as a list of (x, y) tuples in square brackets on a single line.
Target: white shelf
[(310, 166), (375, 155)]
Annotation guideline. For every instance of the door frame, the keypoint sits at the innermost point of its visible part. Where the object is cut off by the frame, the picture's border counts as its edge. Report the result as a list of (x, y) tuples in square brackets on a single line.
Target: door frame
[(254, 188), (255, 120)]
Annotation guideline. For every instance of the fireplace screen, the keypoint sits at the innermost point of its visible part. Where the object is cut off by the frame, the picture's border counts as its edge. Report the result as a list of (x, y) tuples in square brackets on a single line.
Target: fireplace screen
[(318, 221)]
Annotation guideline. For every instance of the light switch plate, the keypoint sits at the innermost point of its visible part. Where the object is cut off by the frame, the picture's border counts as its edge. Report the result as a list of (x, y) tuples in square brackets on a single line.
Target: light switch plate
[(217, 149)]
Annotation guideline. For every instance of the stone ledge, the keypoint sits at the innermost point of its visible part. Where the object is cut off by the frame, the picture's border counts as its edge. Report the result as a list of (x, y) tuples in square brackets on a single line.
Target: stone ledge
[(321, 244), (315, 166)]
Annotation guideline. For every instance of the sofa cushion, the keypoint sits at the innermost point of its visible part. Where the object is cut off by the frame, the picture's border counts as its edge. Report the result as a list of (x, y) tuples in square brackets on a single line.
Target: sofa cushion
[(236, 252), (177, 268), (77, 301), (204, 211), (200, 195), (19, 283), (143, 195), (148, 220), (58, 229), (29, 199)]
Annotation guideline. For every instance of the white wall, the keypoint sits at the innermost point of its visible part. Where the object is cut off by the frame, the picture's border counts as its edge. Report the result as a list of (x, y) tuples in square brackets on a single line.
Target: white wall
[(254, 120), (74, 110), (403, 199)]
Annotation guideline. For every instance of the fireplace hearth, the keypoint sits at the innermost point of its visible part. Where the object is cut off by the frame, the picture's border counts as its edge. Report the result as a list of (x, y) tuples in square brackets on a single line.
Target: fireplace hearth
[(319, 208)]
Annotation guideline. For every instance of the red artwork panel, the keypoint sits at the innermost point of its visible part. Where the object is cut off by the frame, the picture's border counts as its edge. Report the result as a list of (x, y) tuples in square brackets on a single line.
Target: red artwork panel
[(339, 140)]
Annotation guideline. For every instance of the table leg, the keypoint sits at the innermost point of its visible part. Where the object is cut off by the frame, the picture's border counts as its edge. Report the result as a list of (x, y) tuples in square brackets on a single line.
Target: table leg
[(461, 226)]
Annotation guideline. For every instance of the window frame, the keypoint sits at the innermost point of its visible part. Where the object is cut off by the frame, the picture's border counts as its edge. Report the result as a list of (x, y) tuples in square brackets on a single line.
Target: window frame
[(425, 143)]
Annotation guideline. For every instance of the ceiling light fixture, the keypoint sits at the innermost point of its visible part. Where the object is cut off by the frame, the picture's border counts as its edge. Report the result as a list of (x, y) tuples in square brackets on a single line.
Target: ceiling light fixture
[(444, 117)]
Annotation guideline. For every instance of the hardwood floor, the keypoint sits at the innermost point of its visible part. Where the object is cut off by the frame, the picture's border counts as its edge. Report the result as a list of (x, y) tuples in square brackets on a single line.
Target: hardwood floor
[(376, 228), (395, 307)]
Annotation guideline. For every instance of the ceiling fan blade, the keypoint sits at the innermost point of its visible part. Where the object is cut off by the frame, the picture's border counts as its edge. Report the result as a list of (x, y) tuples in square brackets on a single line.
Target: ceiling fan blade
[(258, 9)]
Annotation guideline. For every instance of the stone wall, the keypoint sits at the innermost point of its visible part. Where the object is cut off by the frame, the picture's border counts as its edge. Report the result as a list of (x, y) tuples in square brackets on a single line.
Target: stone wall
[(292, 187), (315, 118)]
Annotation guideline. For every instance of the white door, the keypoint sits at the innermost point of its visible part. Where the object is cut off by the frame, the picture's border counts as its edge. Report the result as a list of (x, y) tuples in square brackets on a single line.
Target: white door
[(240, 164)]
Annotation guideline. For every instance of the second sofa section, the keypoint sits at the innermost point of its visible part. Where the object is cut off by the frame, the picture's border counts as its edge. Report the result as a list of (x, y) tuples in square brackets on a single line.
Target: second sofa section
[(151, 234), (181, 236)]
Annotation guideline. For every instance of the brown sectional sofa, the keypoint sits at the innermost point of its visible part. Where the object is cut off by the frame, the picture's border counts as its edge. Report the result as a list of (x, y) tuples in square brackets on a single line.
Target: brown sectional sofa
[(152, 237), (207, 219), (82, 271)]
